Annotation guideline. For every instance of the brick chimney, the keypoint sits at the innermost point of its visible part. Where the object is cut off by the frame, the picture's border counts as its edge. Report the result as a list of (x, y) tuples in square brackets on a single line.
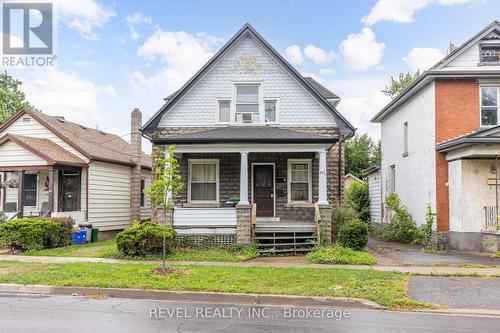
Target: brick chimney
[(136, 156)]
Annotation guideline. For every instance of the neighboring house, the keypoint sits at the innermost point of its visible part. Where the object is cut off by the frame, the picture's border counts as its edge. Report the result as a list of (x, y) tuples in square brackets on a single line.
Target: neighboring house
[(249, 127), (50, 166), (349, 179), (440, 142), (375, 193)]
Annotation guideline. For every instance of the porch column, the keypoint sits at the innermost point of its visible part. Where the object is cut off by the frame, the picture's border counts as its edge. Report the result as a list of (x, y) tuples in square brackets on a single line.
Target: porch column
[(51, 189), (322, 197), (244, 179), (20, 193)]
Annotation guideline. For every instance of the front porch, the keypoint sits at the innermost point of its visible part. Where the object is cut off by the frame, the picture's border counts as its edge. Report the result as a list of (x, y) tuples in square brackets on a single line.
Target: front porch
[(43, 191), (277, 195)]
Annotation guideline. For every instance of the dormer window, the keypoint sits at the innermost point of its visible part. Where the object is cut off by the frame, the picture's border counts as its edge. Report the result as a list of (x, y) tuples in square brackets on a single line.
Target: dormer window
[(247, 103), (490, 54)]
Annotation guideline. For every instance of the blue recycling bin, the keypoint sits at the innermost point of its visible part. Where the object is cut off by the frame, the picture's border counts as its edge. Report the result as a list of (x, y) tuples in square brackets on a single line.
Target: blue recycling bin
[(79, 237)]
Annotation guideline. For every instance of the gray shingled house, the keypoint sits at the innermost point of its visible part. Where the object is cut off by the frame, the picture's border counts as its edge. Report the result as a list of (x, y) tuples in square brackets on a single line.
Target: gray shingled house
[(259, 147)]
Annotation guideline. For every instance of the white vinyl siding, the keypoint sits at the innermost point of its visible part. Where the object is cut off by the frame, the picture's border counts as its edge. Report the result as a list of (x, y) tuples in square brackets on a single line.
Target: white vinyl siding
[(146, 209), (109, 195), (35, 129), (12, 154)]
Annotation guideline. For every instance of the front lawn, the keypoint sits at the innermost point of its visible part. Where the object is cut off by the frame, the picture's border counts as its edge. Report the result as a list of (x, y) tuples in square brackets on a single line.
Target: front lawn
[(385, 288), (340, 255), (108, 249)]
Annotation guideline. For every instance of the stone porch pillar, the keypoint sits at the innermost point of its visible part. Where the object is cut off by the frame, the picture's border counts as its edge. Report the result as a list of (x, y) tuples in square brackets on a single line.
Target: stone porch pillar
[(326, 223), (322, 179), (243, 224)]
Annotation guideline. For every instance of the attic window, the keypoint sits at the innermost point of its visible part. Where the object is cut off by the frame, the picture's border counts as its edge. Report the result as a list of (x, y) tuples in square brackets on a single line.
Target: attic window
[(490, 54), (26, 119)]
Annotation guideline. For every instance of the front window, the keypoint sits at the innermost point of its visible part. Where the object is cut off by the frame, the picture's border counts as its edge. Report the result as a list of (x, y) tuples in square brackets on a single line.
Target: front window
[(247, 102), (299, 180), (270, 110), (489, 106), (30, 189), (490, 54), (203, 180)]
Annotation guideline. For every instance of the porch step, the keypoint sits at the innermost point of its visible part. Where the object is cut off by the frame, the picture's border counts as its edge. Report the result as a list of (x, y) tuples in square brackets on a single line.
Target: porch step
[(285, 238)]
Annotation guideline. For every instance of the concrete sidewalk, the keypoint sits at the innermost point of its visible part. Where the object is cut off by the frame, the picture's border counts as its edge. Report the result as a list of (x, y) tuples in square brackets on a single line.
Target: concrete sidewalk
[(422, 270)]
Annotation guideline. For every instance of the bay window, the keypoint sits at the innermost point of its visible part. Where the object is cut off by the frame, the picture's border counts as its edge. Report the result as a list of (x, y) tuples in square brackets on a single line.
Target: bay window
[(203, 180)]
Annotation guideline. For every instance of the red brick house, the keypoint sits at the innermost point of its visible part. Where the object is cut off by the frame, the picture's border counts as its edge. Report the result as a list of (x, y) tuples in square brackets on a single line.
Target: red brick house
[(440, 144), (259, 146)]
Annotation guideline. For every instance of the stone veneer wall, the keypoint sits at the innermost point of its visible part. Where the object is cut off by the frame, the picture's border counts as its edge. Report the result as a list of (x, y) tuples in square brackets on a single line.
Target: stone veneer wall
[(229, 165)]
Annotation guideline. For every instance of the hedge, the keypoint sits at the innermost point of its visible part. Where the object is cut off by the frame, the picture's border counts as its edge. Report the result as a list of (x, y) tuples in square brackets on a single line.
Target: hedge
[(145, 240), (36, 233)]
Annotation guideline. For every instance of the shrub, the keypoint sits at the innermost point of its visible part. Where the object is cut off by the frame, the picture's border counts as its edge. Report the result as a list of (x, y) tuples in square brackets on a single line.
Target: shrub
[(340, 255), (403, 227), (358, 199), (36, 233), (353, 234), (3, 217), (145, 239), (341, 215), (427, 227)]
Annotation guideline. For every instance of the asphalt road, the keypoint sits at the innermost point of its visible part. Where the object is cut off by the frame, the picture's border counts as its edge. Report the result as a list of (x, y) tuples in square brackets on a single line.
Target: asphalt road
[(30, 313)]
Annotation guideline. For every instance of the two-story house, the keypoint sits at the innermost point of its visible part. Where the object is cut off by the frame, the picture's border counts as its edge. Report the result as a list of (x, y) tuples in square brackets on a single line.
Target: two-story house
[(440, 144), (259, 148)]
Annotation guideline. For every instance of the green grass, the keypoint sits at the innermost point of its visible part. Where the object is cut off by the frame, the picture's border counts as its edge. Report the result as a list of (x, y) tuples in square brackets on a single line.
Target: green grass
[(108, 249), (385, 288), (340, 255)]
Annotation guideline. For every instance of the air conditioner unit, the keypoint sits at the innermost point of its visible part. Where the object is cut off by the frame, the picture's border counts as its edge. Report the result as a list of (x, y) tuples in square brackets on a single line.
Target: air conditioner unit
[(247, 117)]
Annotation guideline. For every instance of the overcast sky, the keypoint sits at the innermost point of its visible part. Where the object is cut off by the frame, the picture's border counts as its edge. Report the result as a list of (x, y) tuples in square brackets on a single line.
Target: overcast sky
[(117, 55)]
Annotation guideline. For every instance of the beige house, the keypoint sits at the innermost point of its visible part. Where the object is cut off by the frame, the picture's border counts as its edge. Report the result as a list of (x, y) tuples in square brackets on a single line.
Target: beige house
[(53, 167)]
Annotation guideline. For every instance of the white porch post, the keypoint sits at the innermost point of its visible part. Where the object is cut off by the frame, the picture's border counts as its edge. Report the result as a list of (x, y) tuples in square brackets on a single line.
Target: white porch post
[(244, 179), (322, 198)]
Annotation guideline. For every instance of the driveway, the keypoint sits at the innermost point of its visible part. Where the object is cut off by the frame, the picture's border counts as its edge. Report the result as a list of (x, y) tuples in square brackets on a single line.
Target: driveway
[(456, 292), (396, 254)]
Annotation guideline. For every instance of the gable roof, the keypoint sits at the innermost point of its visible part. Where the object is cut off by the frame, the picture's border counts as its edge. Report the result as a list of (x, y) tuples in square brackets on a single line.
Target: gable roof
[(91, 143), (150, 126), (489, 135), (45, 149), (437, 72), (247, 134)]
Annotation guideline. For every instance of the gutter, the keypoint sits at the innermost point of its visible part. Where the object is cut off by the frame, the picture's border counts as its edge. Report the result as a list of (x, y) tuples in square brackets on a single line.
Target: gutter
[(241, 140)]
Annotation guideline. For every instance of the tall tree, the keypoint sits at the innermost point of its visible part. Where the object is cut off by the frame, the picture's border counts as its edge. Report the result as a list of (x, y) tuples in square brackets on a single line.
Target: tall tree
[(11, 98), (396, 86), (360, 153)]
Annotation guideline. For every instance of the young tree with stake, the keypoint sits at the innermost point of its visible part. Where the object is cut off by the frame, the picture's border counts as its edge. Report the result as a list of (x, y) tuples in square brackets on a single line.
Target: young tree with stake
[(166, 186)]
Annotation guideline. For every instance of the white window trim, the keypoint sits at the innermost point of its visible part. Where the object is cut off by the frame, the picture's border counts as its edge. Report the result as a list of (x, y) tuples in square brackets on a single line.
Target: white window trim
[(481, 105), (204, 161), (217, 110), (277, 118), (487, 43), (261, 103), (289, 179)]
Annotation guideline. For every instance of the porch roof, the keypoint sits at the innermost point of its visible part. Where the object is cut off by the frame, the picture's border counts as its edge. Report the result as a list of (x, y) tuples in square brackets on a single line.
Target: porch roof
[(44, 148), (247, 134), (482, 136)]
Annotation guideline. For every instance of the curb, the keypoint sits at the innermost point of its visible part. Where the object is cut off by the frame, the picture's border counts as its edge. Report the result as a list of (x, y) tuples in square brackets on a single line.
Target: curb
[(470, 312), (189, 296)]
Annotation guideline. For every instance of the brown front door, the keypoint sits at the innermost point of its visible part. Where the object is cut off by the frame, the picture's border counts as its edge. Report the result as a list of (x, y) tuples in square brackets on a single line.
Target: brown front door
[(263, 192)]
